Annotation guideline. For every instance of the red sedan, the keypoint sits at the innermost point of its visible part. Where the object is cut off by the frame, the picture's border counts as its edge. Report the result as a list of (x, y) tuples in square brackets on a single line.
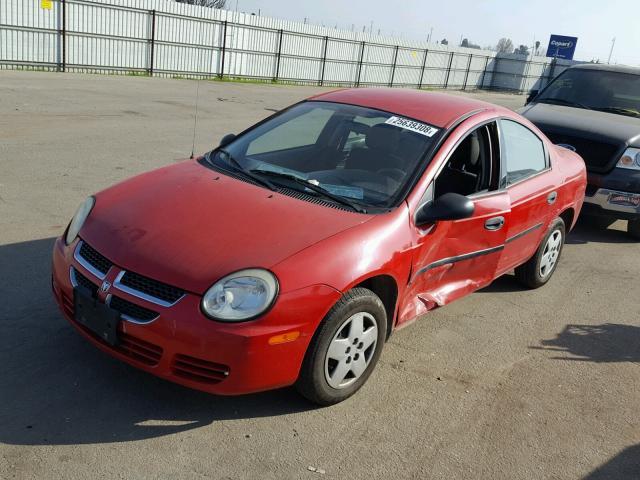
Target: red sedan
[(291, 252)]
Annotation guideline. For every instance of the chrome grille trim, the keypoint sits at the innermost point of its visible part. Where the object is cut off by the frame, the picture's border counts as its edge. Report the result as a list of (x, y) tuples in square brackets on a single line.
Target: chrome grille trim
[(144, 296), (129, 318), (87, 266)]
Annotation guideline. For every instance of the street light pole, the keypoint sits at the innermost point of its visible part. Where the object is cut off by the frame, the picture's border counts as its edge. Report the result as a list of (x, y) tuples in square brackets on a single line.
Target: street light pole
[(613, 42)]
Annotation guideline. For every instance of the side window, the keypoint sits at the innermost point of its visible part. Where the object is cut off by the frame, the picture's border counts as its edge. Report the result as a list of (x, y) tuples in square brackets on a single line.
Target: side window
[(300, 131), (470, 168), (523, 151)]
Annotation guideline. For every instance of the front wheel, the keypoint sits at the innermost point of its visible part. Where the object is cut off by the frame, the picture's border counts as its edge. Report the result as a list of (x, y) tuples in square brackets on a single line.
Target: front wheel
[(344, 349), (539, 269), (633, 228)]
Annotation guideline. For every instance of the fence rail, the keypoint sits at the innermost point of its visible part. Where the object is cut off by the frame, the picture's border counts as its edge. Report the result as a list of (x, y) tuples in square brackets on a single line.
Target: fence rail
[(86, 35)]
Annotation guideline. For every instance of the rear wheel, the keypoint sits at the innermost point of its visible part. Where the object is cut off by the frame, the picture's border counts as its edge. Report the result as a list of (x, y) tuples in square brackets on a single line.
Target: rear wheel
[(539, 269), (345, 348), (633, 228)]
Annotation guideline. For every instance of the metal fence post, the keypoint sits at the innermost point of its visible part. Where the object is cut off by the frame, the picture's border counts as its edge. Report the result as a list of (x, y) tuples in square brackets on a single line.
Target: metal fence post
[(424, 64), (466, 75), (484, 71), (393, 68), (63, 35), (280, 32), (152, 41), (224, 47), (446, 80), (324, 59), (552, 68), (360, 64)]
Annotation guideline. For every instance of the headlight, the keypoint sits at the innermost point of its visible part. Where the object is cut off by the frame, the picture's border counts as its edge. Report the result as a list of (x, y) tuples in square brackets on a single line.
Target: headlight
[(78, 219), (630, 159), (241, 295)]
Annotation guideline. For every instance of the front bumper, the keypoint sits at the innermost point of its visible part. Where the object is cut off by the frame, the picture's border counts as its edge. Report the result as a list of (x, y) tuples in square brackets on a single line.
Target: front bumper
[(184, 346), (603, 190)]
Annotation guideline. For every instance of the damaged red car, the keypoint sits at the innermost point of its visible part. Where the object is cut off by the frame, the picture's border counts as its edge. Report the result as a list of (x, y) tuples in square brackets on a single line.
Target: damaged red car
[(290, 253)]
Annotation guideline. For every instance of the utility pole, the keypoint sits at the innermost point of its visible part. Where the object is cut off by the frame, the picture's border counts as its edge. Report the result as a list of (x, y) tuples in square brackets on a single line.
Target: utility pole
[(613, 43), (429, 37)]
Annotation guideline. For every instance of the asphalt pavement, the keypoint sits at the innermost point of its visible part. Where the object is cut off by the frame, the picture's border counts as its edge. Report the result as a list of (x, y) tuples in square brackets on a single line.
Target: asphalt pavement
[(503, 384)]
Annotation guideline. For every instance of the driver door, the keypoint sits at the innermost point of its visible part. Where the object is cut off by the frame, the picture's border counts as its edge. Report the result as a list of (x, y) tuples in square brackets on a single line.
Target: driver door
[(453, 258)]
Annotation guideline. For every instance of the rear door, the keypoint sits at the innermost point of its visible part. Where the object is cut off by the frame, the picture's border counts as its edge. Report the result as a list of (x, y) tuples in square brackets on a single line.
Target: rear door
[(527, 178)]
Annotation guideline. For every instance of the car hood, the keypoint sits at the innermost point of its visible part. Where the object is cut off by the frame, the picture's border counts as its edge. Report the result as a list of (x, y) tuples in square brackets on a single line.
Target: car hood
[(607, 127), (187, 225)]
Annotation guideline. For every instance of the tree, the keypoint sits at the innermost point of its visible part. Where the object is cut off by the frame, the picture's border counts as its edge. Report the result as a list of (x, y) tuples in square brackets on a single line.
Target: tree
[(205, 3), (522, 50), (467, 44), (537, 46), (505, 45), (444, 41)]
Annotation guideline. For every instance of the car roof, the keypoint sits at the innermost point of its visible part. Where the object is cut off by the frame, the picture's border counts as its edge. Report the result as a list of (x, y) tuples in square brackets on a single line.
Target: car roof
[(607, 68), (438, 109)]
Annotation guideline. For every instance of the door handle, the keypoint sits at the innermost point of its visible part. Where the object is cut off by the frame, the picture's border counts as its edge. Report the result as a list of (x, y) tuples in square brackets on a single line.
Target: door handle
[(494, 223), (551, 198)]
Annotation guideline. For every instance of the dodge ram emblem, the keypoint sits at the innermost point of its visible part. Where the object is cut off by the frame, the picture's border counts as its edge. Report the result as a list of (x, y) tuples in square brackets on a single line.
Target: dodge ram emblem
[(105, 286)]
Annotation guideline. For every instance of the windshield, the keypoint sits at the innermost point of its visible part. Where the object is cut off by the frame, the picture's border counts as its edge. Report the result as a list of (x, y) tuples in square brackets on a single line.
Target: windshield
[(359, 155), (613, 92)]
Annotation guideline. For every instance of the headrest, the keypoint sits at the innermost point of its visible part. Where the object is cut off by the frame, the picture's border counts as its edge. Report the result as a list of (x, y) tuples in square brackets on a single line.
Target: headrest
[(382, 137), (474, 149)]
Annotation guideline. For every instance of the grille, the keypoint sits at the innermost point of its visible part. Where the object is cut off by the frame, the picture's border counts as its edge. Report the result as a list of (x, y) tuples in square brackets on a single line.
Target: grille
[(598, 156), (132, 310), (67, 304), (199, 370), (139, 350), (133, 347), (83, 281), (94, 258), (151, 287)]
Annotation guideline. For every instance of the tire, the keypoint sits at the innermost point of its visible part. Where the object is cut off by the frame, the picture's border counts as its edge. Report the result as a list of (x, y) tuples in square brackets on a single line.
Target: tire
[(321, 377), (534, 273), (633, 228), (598, 222)]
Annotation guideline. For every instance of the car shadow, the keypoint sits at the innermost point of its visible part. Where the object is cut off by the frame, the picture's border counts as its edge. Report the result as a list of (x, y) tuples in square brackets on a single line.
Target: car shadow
[(606, 343), (624, 466), (507, 283), (586, 231), (59, 389)]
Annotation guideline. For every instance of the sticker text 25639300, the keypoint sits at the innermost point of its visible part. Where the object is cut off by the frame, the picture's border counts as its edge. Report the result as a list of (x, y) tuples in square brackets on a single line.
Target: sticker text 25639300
[(421, 128)]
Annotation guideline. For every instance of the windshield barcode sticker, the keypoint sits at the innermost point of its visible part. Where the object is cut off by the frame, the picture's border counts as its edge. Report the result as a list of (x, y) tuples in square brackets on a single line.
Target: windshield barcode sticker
[(421, 128)]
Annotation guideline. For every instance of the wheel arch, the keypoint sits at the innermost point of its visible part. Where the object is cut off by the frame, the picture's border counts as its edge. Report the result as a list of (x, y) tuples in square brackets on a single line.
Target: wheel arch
[(568, 217), (385, 287)]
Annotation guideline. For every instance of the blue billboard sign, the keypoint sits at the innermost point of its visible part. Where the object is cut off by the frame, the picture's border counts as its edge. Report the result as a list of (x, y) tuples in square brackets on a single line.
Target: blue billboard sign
[(562, 47)]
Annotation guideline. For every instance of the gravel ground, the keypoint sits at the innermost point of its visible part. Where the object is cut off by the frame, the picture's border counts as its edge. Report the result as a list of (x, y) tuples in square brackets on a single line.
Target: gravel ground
[(503, 384)]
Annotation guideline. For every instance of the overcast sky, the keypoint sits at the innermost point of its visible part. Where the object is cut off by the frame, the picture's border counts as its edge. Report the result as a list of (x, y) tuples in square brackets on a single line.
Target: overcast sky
[(594, 22)]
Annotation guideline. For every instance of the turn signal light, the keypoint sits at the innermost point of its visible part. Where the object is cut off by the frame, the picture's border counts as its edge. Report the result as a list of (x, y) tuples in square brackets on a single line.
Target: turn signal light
[(284, 338)]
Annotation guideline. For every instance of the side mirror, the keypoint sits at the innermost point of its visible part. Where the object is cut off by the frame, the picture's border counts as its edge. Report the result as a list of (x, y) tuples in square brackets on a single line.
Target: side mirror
[(450, 206), (227, 139), (532, 94)]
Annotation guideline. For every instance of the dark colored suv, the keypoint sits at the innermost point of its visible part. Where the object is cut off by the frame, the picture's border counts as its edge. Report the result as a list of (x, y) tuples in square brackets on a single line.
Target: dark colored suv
[(594, 110)]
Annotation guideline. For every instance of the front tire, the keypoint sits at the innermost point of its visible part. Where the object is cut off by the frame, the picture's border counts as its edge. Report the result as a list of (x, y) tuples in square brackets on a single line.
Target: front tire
[(539, 269), (633, 228), (345, 349)]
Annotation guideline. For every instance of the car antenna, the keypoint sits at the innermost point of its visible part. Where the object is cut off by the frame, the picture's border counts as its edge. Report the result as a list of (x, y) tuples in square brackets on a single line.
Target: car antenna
[(195, 119), (195, 116)]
